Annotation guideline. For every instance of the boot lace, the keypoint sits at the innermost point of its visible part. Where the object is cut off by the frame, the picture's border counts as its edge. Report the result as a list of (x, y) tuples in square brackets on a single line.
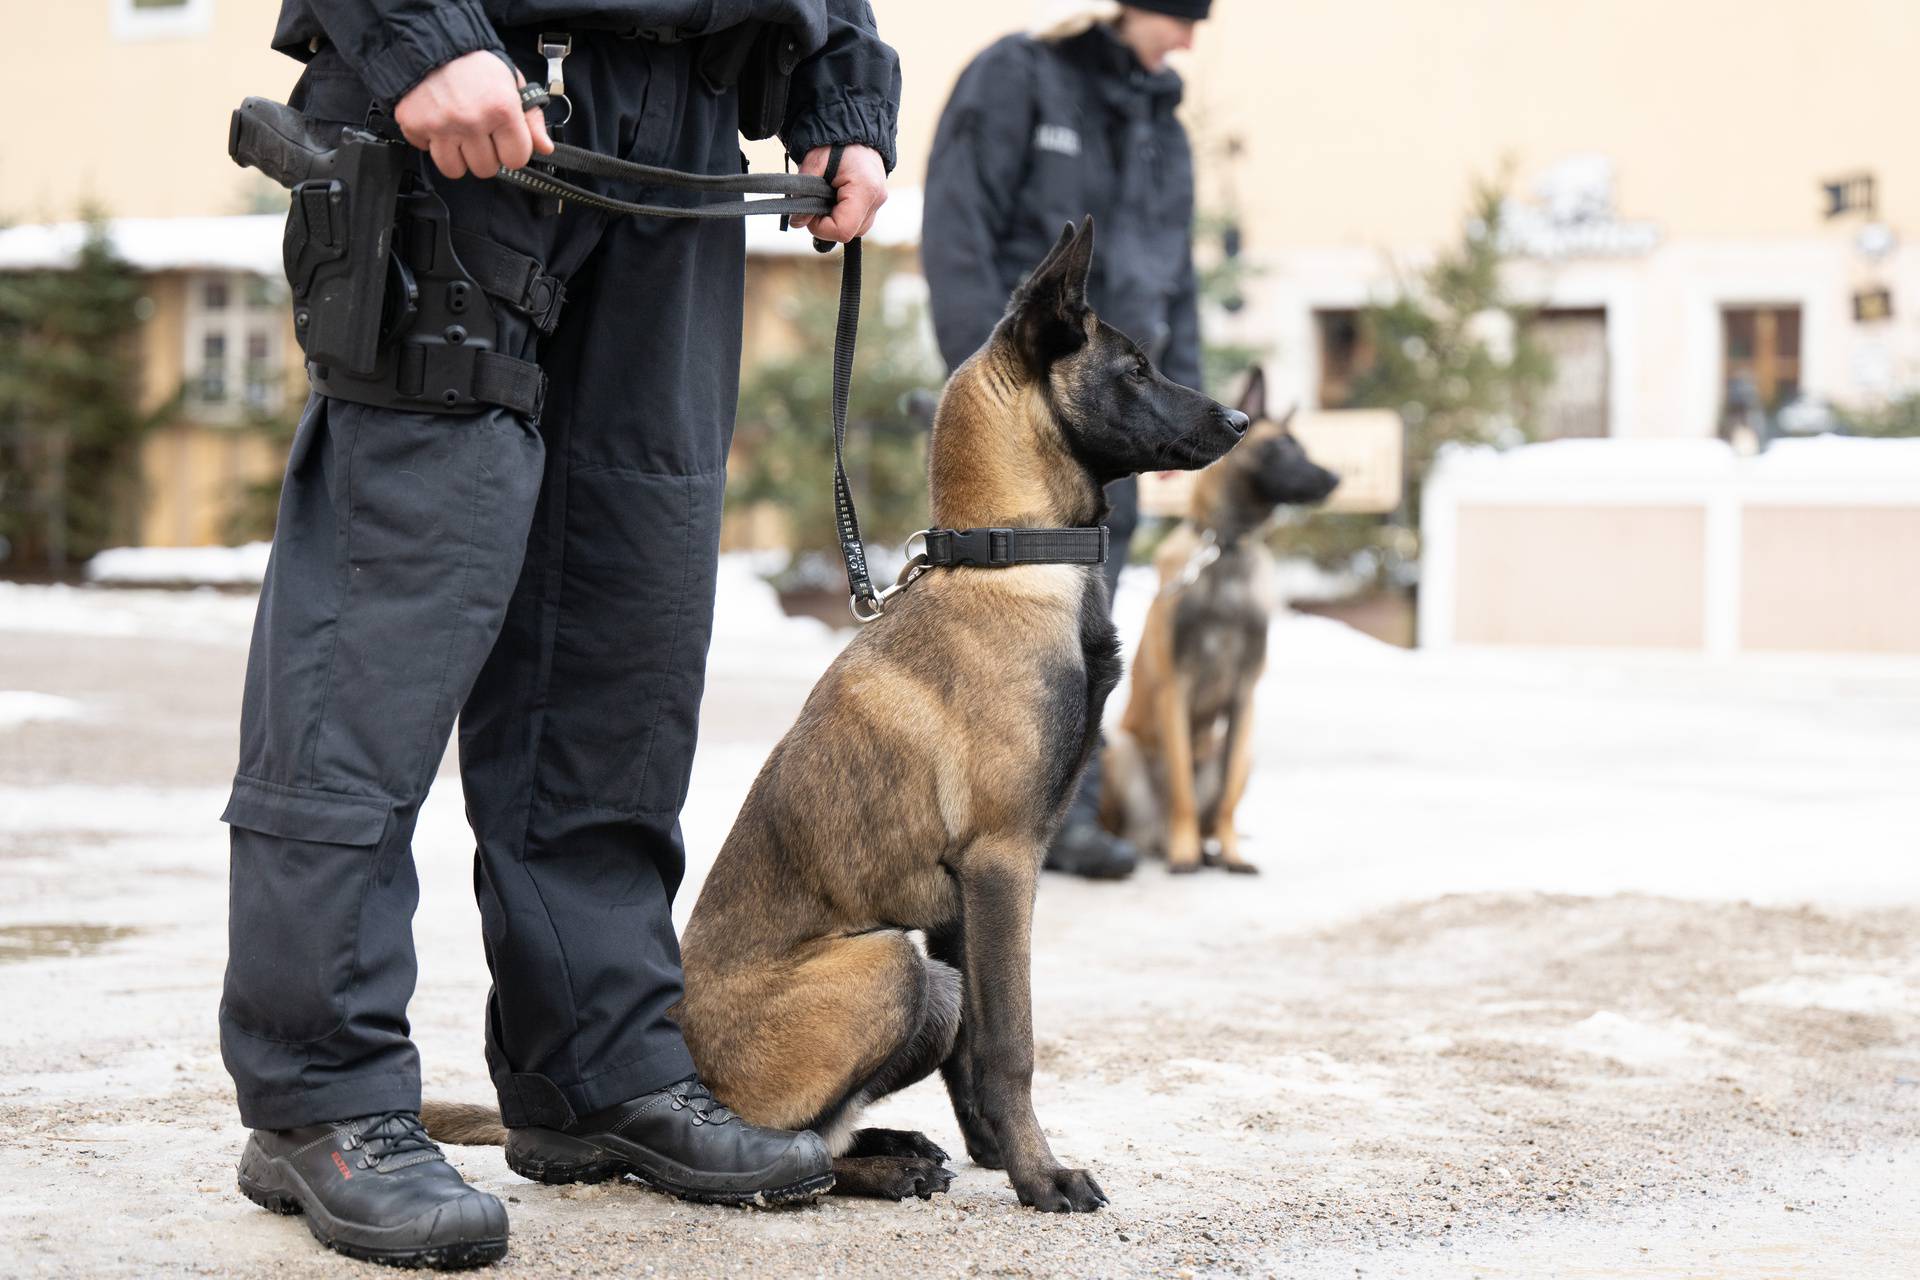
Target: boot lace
[(393, 1140), (691, 1095)]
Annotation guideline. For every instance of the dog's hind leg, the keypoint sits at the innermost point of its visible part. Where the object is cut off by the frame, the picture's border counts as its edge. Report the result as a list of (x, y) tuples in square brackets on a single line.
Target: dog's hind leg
[(892, 1164), (809, 1043)]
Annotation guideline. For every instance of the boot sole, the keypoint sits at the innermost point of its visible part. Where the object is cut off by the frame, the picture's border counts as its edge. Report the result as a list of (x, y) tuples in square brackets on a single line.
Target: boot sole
[(567, 1160), (449, 1257)]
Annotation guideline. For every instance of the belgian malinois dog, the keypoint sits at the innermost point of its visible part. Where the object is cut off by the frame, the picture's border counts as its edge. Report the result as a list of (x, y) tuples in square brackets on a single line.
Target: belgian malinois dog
[(1175, 771), (926, 774)]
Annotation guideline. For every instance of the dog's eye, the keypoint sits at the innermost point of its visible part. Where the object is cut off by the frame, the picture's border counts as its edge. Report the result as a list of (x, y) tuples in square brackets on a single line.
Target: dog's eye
[(1139, 372)]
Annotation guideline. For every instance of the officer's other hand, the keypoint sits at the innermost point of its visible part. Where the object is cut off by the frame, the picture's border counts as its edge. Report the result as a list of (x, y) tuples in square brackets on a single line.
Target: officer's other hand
[(467, 115), (859, 189)]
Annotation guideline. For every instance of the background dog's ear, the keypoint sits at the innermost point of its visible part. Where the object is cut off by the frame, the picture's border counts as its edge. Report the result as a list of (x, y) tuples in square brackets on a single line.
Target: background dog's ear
[(1050, 313), (1286, 422), (1253, 401)]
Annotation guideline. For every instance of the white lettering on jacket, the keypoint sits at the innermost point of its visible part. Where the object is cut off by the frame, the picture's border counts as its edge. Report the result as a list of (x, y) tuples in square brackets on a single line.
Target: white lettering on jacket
[(1058, 138)]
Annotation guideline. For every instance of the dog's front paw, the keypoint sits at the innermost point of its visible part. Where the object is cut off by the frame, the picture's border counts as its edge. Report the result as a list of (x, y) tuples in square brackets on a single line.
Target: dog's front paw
[(1061, 1191)]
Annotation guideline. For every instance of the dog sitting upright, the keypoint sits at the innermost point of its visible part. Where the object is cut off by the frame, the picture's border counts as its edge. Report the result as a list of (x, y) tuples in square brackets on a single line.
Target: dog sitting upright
[(927, 772), (1175, 770)]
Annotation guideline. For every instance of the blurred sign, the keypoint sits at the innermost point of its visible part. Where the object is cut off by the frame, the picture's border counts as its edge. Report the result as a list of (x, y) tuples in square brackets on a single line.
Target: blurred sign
[(1870, 305), (1362, 445), (1574, 215), (1851, 194)]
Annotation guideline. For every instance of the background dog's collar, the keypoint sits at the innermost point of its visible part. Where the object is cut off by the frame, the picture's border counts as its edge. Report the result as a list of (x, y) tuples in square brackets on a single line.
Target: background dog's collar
[(1003, 548)]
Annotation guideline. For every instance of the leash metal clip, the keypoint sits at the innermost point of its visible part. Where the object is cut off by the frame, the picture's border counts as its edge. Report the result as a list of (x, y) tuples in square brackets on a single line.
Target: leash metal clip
[(909, 574)]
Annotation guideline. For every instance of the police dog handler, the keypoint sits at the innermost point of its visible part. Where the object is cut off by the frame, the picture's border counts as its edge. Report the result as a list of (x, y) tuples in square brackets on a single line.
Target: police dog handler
[(545, 573), (1038, 132)]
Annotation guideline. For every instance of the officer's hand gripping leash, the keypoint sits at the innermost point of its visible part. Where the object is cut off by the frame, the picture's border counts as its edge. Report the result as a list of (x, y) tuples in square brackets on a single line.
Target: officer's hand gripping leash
[(409, 329)]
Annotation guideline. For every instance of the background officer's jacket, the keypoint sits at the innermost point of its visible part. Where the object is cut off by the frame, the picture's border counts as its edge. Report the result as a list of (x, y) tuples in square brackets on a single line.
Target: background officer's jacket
[(845, 88), (1036, 135)]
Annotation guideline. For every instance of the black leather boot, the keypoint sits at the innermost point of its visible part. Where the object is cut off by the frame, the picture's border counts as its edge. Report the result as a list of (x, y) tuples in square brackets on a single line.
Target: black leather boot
[(1087, 849), (375, 1188), (681, 1141)]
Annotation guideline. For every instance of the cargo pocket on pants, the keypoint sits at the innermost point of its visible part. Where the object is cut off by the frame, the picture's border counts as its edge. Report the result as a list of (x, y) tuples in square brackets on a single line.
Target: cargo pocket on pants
[(302, 859)]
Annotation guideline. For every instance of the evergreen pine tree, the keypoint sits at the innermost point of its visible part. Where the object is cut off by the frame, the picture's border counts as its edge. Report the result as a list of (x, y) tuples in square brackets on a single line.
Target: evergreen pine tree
[(69, 411)]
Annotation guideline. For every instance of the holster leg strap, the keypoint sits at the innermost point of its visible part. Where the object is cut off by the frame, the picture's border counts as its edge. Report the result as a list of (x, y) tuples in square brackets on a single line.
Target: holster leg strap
[(514, 278)]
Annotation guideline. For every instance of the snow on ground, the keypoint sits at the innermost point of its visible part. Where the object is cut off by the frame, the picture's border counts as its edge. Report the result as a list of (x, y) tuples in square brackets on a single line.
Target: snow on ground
[(203, 615), (17, 707), (167, 566), (1559, 962)]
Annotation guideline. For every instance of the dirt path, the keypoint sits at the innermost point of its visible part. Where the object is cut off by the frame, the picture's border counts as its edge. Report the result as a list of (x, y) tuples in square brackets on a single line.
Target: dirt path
[(1537, 983)]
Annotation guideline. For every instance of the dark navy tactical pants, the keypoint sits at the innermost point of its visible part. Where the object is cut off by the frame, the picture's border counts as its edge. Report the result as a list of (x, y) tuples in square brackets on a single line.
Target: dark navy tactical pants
[(551, 584)]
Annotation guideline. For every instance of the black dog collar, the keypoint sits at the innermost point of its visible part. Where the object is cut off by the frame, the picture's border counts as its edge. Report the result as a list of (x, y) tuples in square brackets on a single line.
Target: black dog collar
[(1003, 548)]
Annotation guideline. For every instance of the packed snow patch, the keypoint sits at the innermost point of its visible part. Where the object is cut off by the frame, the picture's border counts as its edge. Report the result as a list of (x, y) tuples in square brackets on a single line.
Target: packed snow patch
[(1636, 1043), (22, 706), (192, 566), (202, 615), (1842, 993)]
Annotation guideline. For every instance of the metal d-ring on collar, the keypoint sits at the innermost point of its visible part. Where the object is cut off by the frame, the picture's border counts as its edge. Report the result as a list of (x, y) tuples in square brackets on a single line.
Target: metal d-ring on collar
[(912, 569)]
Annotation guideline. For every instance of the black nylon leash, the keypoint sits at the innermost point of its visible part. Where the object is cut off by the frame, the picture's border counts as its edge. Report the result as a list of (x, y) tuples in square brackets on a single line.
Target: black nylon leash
[(866, 602)]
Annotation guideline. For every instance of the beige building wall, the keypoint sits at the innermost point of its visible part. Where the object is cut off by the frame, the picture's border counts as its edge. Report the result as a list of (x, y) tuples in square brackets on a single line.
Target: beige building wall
[(1362, 119), (135, 123)]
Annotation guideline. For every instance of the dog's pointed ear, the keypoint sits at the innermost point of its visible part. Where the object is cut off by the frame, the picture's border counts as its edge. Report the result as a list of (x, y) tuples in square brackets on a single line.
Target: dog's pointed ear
[(1050, 315), (1253, 401), (1077, 262), (1286, 422)]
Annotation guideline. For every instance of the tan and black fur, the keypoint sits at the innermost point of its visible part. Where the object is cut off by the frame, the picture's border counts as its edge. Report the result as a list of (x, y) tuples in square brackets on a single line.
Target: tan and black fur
[(1175, 771), (916, 794)]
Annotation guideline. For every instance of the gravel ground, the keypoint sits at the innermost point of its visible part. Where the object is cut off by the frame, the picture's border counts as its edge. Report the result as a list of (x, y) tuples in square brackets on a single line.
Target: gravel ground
[(1560, 965)]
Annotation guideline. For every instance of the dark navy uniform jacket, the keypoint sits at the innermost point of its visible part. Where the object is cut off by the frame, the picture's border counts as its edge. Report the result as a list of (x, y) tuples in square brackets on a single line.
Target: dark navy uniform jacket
[(845, 88), (1037, 134)]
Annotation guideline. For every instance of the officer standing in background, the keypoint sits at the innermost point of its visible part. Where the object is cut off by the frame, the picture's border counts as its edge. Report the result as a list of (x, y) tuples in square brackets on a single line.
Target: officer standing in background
[(1039, 132), (546, 572)]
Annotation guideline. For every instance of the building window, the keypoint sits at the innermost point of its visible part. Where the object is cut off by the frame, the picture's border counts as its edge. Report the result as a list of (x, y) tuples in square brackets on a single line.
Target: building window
[(234, 361), (1345, 354), (1575, 403), (158, 19), (1760, 365)]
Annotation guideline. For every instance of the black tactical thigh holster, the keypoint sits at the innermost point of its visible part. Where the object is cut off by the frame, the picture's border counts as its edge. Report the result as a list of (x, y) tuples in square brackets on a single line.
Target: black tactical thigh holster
[(390, 302)]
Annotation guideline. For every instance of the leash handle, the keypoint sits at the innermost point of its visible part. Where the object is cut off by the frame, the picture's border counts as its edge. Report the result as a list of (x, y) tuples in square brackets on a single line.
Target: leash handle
[(789, 193)]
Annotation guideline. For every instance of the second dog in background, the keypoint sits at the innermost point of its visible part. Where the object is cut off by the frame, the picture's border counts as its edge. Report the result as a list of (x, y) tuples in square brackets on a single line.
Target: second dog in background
[(1178, 764)]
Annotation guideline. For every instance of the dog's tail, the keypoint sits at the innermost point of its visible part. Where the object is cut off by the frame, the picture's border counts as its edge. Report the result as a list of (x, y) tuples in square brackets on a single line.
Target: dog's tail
[(463, 1124)]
